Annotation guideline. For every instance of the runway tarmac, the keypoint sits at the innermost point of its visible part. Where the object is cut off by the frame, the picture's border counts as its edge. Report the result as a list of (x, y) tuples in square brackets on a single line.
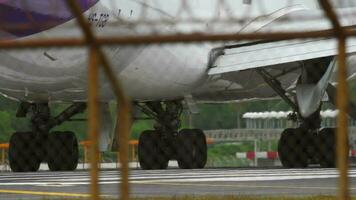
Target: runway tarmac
[(175, 182)]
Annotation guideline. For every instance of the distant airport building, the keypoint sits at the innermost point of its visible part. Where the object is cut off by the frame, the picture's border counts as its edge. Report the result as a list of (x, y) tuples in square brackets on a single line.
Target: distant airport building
[(279, 120)]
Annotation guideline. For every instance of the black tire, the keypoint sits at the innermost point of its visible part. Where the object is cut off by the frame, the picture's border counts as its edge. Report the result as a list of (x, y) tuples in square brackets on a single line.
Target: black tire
[(313, 147), (25, 153), (192, 152), (327, 148), (292, 149), (62, 151), (151, 154)]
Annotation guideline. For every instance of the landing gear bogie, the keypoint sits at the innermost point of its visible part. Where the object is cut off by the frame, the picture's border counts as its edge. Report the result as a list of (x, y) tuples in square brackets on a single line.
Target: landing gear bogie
[(59, 149), (27, 150), (297, 148), (166, 142), (189, 148)]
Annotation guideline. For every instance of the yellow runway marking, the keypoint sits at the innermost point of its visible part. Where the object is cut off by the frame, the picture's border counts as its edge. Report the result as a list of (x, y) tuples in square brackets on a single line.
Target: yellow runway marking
[(237, 186), (38, 193)]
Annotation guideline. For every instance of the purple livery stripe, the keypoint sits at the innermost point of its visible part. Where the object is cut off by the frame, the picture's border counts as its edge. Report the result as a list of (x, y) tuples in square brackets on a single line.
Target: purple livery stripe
[(20, 18)]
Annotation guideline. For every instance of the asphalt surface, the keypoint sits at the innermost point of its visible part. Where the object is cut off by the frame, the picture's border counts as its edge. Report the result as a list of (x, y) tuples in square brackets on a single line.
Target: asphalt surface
[(176, 182)]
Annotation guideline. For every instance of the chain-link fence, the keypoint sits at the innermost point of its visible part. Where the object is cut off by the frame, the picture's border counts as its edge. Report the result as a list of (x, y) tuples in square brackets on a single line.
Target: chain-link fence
[(172, 56)]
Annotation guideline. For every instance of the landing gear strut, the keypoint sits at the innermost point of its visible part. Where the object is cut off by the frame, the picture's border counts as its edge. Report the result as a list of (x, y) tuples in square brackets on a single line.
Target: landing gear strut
[(166, 142), (59, 149)]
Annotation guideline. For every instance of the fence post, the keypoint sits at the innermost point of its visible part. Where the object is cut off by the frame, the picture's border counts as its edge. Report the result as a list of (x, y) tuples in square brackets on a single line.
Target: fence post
[(93, 120), (2, 156), (342, 130)]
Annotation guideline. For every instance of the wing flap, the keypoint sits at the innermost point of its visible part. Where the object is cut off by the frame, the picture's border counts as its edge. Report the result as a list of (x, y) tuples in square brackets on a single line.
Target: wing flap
[(275, 53)]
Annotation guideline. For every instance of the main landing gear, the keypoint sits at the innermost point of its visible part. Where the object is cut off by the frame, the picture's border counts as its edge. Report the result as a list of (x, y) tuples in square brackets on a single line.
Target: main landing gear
[(298, 148), (59, 149), (307, 144), (157, 147)]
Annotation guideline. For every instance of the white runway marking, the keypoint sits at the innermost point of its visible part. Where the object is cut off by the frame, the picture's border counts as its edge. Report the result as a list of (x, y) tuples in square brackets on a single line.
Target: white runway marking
[(63, 179)]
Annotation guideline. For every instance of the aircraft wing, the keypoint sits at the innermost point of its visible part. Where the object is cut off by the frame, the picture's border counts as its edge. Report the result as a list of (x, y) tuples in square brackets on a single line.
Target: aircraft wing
[(237, 57), (232, 68), (255, 55), (233, 74)]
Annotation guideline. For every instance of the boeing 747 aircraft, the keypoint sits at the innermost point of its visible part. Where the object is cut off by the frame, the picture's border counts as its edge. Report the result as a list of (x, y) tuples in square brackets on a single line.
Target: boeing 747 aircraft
[(160, 78)]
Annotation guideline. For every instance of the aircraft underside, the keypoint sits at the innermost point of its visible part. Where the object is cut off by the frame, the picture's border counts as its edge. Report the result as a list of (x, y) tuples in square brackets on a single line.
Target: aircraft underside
[(297, 147)]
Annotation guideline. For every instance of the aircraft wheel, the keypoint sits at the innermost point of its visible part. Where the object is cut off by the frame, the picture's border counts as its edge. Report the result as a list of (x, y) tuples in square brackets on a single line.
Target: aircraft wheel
[(292, 149), (151, 154), (192, 152), (24, 152), (313, 148), (327, 148), (62, 149)]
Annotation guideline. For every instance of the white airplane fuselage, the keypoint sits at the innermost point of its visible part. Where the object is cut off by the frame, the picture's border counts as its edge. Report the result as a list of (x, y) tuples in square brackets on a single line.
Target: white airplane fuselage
[(197, 72), (147, 72)]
